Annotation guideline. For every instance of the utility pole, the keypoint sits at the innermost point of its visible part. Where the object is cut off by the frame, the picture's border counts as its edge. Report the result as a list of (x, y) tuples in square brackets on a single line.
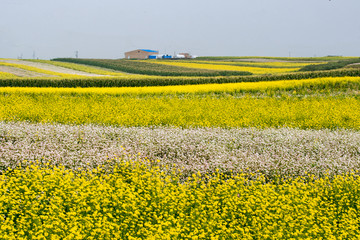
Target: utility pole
[(76, 54), (33, 54)]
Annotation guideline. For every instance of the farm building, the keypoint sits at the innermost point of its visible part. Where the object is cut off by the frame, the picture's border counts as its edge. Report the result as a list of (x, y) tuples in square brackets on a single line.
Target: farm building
[(186, 55), (140, 54)]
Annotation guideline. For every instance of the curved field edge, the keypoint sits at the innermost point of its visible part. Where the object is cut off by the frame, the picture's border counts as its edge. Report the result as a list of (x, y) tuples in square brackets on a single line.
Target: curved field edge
[(141, 202), (148, 68), (7, 75), (82, 67), (330, 65), (225, 67), (183, 111), (38, 70), (141, 81), (274, 64)]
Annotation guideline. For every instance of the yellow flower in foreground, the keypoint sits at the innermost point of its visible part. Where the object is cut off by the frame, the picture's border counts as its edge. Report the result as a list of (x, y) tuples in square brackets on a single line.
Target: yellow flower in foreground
[(133, 201)]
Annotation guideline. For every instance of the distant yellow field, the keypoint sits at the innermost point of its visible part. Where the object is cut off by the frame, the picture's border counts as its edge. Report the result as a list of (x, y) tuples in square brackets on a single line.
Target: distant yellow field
[(260, 64), (254, 70)]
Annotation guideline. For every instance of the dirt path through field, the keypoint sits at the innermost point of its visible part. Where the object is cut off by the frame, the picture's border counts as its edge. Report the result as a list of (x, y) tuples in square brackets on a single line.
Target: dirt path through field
[(354, 65), (49, 67), (22, 72)]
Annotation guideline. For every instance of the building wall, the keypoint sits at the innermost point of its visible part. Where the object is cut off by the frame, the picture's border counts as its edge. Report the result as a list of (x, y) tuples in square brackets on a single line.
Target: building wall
[(138, 54), (187, 55)]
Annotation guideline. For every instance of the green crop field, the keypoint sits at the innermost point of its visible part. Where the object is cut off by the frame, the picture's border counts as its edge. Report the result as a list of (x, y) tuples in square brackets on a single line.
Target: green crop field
[(149, 68)]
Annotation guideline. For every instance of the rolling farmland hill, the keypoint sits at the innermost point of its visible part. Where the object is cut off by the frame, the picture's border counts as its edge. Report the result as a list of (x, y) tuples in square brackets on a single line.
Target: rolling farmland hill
[(222, 147)]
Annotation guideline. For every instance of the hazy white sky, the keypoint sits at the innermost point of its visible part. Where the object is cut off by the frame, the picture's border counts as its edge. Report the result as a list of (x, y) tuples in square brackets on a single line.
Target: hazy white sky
[(108, 28)]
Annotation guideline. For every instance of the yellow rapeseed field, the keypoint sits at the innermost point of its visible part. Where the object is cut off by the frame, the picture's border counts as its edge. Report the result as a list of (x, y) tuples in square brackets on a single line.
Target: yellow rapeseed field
[(185, 111), (201, 88), (4, 75), (260, 64), (254, 70), (137, 202), (134, 199)]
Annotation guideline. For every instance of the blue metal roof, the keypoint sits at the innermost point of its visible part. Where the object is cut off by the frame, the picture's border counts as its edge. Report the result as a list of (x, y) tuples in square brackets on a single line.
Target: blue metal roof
[(148, 50)]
